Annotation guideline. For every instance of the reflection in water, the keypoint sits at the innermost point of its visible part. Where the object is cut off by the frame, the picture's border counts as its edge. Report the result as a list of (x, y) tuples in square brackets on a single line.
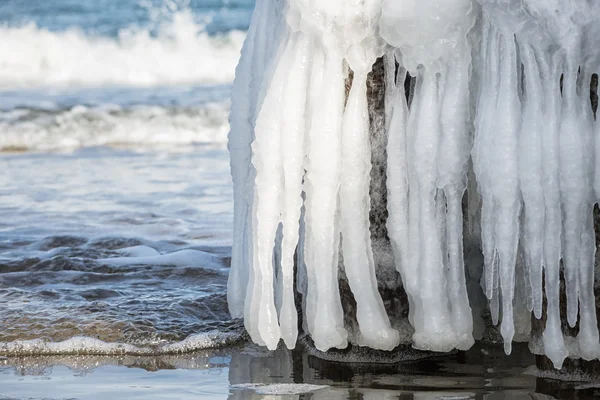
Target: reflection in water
[(255, 373), (463, 376)]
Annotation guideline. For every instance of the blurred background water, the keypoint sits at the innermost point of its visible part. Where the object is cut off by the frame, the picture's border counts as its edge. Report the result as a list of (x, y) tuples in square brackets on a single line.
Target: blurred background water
[(138, 72), (113, 129)]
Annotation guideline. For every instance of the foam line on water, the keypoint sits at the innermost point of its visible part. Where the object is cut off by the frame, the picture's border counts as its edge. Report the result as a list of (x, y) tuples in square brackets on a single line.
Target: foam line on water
[(182, 258), (81, 126), (82, 345)]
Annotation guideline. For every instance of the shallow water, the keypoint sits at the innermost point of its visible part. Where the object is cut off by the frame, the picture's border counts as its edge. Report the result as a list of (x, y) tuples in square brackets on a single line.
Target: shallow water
[(118, 245), (247, 372), (115, 193)]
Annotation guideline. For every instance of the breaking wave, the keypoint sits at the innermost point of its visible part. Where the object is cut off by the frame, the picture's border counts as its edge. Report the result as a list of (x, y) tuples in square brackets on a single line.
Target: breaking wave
[(179, 52), (85, 126), (82, 345)]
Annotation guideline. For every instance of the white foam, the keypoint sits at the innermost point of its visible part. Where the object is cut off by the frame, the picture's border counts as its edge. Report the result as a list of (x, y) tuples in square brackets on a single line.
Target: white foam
[(139, 251), (183, 258), (181, 52), (82, 345), (83, 126)]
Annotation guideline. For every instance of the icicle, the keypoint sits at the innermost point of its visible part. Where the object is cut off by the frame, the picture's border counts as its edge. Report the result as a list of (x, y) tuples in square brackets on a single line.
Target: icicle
[(397, 184), (398, 196), (374, 324), (413, 254), (554, 346), (484, 127), (427, 167), (589, 342), (571, 179), (268, 197), (294, 104), (316, 80), (495, 160), (506, 184), (240, 138), (324, 313), (434, 333), (588, 338), (453, 158), (390, 87), (530, 173)]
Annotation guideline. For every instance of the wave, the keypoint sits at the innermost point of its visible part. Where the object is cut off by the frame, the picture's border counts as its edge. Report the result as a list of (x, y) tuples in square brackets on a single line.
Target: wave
[(112, 125), (83, 345), (180, 52)]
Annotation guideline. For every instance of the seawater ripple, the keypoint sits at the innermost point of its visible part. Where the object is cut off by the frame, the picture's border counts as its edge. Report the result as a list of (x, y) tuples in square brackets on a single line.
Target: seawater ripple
[(70, 295)]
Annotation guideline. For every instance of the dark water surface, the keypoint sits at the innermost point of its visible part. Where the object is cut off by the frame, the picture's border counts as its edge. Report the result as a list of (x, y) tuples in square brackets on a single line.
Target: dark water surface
[(248, 372)]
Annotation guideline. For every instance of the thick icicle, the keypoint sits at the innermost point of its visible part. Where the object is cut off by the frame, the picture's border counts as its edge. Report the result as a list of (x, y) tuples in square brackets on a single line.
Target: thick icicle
[(435, 333), (268, 197), (506, 182), (240, 138), (483, 145), (455, 145), (554, 346), (322, 182), (375, 328), (397, 184), (496, 163), (428, 152), (589, 342), (530, 174), (293, 132), (571, 178), (416, 313), (588, 338)]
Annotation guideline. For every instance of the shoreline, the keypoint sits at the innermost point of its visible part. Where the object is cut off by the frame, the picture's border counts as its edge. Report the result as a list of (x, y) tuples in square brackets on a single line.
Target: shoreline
[(248, 371)]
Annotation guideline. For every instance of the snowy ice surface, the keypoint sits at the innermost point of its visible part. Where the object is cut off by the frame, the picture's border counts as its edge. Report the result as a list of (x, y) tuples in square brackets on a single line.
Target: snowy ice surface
[(500, 104)]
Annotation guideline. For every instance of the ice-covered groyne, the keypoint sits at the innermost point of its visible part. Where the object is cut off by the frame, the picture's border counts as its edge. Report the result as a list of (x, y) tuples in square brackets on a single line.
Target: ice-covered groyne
[(499, 107)]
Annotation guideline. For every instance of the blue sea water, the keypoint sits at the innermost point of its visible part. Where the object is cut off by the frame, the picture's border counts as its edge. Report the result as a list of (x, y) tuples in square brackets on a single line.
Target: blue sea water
[(115, 193), (84, 73), (109, 17)]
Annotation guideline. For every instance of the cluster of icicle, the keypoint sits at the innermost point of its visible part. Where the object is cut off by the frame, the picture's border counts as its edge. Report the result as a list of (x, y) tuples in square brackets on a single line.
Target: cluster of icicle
[(501, 93)]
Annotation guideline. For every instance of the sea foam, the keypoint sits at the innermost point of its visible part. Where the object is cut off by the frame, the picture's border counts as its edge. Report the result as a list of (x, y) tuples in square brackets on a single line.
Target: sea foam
[(82, 345), (180, 52), (106, 125)]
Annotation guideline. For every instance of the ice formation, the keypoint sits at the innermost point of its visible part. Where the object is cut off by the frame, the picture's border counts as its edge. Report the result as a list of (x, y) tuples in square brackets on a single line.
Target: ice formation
[(499, 102)]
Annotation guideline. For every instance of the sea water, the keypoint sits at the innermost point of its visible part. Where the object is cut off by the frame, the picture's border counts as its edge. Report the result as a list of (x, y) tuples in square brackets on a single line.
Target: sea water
[(113, 125)]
